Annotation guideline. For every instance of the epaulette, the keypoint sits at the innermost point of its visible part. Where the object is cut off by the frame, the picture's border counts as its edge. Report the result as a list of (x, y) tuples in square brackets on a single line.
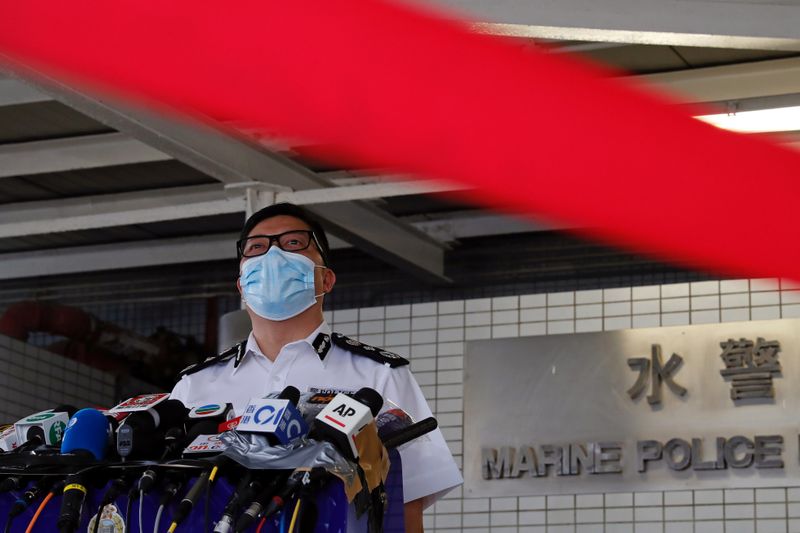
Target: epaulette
[(376, 354), (237, 350)]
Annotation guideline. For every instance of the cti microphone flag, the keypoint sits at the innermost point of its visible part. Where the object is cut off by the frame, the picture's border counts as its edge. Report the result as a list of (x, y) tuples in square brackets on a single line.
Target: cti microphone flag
[(531, 132)]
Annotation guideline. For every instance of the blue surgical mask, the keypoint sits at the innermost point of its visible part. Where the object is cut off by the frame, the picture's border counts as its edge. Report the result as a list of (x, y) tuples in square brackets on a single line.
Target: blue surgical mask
[(278, 285)]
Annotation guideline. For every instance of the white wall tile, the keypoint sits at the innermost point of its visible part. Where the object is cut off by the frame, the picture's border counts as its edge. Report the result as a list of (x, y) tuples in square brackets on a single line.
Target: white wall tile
[(533, 328), (617, 322), (704, 287), (674, 290), (451, 307), (533, 300), (560, 326), (734, 285), (533, 315), (670, 305), (705, 317), (617, 295), (589, 311), (765, 298), (617, 309), (451, 321), (646, 321), (505, 317), (561, 313), (644, 307), (588, 297), (560, 298), (477, 333), (648, 292), (764, 284), (506, 330), (505, 302), (478, 319), (736, 315), (765, 313), (479, 304), (588, 324), (674, 319)]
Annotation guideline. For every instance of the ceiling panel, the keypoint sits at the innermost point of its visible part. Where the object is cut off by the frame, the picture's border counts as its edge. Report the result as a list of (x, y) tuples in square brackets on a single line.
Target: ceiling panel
[(44, 120), (116, 179)]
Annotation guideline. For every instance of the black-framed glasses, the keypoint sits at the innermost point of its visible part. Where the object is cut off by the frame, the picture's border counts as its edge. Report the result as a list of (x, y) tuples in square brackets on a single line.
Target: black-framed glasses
[(289, 241)]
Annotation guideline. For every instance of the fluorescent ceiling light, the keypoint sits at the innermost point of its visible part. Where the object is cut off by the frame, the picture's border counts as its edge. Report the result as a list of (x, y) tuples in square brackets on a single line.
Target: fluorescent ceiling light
[(763, 120)]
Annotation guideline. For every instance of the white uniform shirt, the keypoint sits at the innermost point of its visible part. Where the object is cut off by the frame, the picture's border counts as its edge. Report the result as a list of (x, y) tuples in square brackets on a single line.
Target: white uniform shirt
[(429, 470)]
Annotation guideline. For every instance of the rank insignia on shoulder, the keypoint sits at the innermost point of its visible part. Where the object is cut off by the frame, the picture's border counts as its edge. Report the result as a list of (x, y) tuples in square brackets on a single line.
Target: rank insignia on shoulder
[(376, 354), (322, 345), (237, 350)]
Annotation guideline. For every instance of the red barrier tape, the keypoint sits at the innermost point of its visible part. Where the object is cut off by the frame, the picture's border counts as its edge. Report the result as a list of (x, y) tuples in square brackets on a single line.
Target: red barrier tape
[(387, 85)]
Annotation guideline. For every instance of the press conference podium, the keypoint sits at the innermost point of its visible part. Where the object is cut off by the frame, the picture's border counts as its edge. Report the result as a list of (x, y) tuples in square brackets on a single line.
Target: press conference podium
[(331, 504)]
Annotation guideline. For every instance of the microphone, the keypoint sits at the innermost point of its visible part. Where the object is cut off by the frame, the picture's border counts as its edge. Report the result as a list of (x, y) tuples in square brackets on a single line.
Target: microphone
[(409, 433), (282, 423), (87, 435), (207, 426), (242, 492), (74, 494), (215, 412), (40, 487), (298, 480), (8, 438), (174, 439), (344, 418), (339, 423), (45, 427), (138, 436), (277, 418), (87, 431)]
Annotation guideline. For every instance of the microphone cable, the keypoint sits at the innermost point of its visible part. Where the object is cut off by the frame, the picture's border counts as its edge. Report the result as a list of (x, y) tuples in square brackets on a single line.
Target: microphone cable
[(50, 495), (141, 498), (39, 511), (158, 518), (294, 516)]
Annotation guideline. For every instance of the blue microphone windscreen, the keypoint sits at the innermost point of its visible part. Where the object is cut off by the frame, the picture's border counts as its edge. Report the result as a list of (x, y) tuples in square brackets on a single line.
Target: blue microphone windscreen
[(87, 430)]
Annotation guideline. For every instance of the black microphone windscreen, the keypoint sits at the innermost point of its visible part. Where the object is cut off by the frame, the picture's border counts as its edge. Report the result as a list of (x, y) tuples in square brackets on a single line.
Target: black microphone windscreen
[(171, 412), (34, 432), (370, 398), (290, 393), (204, 427)]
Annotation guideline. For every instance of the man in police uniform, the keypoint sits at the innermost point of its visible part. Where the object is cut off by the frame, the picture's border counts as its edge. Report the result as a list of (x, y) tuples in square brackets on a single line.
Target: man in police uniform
[(284, 274)]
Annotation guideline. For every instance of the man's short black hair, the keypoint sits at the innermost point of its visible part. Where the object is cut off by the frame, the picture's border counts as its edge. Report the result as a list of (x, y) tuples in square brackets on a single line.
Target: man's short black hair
[(291, 210)]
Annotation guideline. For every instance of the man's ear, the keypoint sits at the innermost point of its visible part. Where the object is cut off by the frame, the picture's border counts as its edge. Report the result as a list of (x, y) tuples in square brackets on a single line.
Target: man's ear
[(239, 286), (328, 280)]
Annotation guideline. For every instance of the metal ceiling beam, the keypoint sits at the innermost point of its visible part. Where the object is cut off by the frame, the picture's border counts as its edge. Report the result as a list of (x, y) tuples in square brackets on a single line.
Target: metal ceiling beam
[(752, 24), (731, 82), (102, 211), (158, 205), (74, 153), (116, 256), (230, 160), (626, 37), (95, 258), (15, 92)]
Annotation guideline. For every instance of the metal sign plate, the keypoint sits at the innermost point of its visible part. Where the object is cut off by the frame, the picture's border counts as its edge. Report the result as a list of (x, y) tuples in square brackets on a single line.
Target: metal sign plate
[(561, 405)]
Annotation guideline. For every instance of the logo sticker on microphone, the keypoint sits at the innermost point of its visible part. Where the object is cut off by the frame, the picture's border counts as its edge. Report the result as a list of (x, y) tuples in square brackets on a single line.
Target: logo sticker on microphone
[(267, 414), (208, 410), (344, 410), (39, 417)]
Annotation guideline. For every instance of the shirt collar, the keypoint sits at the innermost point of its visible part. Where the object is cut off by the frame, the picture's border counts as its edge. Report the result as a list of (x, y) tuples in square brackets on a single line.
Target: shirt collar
[(319, 340)]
